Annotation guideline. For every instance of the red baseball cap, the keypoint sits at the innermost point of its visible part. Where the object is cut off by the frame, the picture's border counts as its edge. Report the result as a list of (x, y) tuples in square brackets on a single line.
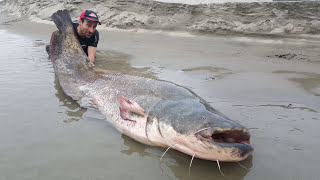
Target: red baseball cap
[(90, 16)]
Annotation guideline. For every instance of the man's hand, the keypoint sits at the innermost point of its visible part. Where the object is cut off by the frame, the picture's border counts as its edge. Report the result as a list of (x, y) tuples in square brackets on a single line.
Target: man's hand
[(92, 53)]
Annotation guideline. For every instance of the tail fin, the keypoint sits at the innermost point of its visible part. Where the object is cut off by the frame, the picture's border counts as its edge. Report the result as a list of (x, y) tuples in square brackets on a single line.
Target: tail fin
[(62, 19)]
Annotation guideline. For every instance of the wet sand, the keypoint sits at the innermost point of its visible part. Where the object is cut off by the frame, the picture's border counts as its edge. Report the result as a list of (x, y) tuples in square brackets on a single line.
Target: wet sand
[(270, 85), (234, 17)]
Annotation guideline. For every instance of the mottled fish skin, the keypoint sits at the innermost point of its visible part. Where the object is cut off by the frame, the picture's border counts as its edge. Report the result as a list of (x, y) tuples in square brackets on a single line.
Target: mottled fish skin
[(153, 112)]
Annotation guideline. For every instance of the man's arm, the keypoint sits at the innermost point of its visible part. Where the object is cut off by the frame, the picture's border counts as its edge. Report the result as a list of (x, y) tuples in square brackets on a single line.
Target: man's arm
[(92, 53)]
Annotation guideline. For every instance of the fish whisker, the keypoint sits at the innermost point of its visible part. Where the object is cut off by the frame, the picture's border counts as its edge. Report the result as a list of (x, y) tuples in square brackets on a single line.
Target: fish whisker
[(166, 151), (242, 165), (201, 130), (191, 162), (221, 171)]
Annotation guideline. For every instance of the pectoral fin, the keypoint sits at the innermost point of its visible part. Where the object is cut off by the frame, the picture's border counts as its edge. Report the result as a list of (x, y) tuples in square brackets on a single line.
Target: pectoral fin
[(129, 109), (87, 102)]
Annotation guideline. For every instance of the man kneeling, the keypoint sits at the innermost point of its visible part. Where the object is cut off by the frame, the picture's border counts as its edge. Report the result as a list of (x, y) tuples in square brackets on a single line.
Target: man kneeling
[(86, 33)]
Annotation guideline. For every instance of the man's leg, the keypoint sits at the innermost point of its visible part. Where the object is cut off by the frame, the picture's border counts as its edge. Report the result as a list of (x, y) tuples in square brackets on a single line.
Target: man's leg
[(48, 49)]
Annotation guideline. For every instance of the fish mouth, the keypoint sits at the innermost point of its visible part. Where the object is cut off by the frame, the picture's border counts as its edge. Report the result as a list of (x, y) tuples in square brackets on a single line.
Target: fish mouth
[(225, 144), (226, 137)]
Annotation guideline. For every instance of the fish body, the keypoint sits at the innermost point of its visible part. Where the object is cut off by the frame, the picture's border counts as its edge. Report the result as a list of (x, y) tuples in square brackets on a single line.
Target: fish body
[(153, 112)]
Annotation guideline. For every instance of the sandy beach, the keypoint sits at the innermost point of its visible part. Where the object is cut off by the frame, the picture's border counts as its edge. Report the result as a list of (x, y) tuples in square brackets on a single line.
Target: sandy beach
[(270, 84), (255, 17)]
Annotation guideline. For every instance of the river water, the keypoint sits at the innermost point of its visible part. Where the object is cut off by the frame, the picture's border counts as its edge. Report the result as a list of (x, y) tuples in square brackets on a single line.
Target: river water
[(45, 135)]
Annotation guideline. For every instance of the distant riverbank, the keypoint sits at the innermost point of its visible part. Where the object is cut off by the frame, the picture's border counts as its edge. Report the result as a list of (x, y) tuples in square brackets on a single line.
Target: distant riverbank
[(256, 18)]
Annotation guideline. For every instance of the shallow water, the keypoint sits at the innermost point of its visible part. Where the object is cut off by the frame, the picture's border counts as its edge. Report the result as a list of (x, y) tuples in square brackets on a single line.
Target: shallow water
[(45, 135)]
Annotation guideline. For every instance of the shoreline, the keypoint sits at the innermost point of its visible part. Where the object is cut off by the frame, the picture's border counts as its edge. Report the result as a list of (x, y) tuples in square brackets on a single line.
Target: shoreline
[(267, 38), (197, 34), (239, 18)]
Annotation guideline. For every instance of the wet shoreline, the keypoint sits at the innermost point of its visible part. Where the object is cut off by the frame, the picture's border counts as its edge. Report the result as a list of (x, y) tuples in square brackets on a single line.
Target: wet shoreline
[(255, 18)]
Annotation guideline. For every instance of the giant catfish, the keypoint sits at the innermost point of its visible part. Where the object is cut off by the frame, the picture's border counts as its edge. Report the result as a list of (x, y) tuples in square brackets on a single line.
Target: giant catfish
[(153, 112)]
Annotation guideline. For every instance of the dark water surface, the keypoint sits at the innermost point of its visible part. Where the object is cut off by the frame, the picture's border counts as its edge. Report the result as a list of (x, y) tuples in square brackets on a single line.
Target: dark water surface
[(45, 135)]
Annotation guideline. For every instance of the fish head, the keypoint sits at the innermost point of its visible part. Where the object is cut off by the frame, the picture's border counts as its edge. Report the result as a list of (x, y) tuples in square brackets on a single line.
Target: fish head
[(196, 129)]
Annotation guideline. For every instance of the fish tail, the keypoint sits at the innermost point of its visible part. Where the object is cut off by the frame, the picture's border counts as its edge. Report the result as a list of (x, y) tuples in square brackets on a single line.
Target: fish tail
[(62, 19)]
